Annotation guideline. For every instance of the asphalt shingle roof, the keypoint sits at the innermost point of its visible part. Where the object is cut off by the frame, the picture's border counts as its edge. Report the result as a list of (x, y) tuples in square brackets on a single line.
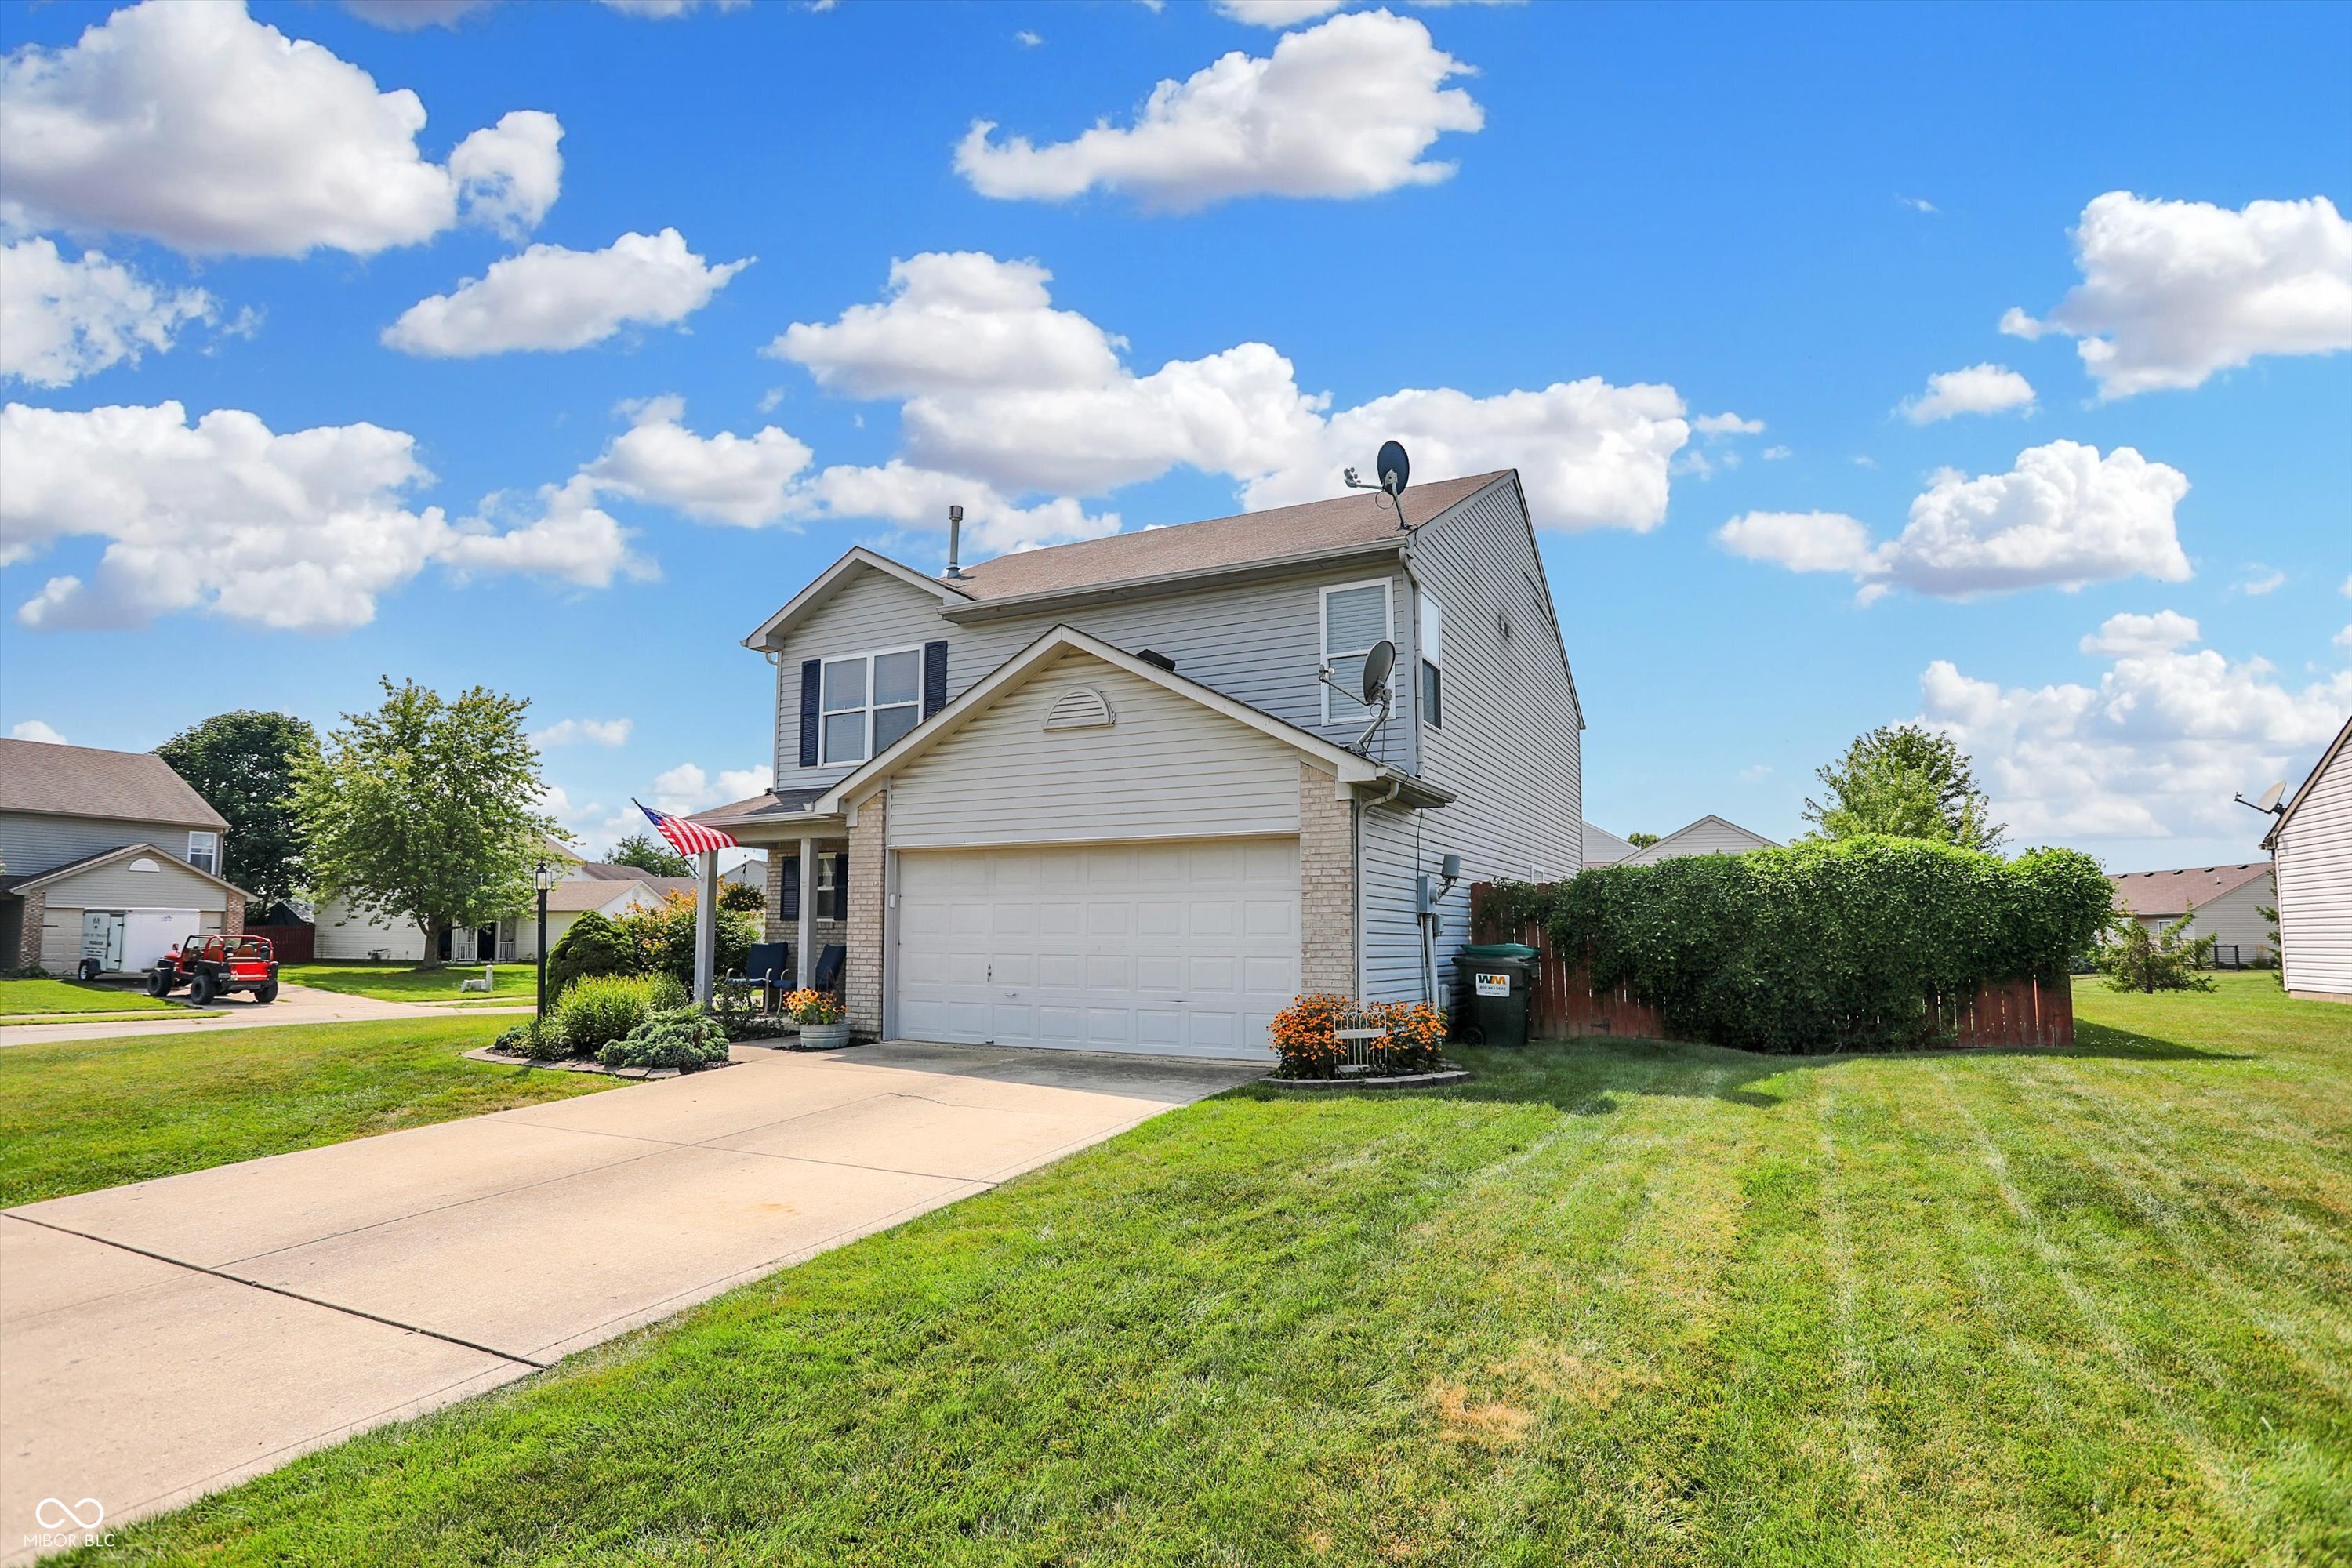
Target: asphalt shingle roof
[(2171, 892), (82, 781)]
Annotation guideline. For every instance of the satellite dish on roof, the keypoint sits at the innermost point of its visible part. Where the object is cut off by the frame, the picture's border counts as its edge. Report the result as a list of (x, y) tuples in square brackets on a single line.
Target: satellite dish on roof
[(1377, 666), (2271, 795), (1393, 466)]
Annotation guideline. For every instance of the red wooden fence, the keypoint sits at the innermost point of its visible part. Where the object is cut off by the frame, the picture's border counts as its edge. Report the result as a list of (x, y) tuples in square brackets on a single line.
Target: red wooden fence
[(1565, 1005), (292, 944)]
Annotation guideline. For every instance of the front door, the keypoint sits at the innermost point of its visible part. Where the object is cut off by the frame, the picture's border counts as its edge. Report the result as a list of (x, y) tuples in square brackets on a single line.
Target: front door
[(485, 943)]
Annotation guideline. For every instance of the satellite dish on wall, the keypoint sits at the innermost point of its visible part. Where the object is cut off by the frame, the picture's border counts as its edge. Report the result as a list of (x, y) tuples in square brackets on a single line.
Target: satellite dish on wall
[(1378, 665), (1394, 468), (2271, 796)]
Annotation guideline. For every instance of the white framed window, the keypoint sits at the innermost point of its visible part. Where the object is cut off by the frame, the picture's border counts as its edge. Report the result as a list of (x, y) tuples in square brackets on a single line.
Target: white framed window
[(204, 851), (1355, 616), (1433, 661), (866, 702)]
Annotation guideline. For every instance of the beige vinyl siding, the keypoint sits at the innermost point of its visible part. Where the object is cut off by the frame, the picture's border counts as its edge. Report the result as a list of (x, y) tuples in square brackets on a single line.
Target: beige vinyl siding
[(2313, 862), (867, 612), (32, 842), (115, 886), (1168, 768), (346, 934), (2233, 920), (1708, 835)]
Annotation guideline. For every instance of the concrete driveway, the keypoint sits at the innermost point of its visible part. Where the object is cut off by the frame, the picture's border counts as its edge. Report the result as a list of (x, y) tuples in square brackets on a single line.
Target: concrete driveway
[(163, 1339)]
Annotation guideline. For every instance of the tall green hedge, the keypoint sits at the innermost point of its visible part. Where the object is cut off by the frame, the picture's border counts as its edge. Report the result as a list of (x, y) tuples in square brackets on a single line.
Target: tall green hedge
[(1820, 947)]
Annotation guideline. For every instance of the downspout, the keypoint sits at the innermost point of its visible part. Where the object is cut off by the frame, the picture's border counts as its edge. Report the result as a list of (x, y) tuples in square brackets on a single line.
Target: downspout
[(1355, 863)]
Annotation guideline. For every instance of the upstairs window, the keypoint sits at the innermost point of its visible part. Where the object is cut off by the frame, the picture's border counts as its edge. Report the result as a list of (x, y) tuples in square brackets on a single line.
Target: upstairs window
[(1433, 661), (868, 701), (203, 852), (1355, 616)]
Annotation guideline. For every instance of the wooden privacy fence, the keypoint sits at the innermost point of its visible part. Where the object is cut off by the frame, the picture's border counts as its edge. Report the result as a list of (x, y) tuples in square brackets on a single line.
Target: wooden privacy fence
[(1566, 1005), (291, 944)]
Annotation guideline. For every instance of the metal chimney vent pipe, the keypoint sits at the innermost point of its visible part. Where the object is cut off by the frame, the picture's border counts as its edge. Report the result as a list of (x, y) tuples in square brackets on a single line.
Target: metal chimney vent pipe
[(955, 539)]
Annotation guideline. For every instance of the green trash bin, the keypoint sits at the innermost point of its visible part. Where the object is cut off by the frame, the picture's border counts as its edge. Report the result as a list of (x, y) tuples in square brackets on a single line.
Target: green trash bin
[(1495, 980)]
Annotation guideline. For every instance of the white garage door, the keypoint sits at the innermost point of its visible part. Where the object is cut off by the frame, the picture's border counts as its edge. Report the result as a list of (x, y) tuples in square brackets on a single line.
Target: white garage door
[(1174, 949)]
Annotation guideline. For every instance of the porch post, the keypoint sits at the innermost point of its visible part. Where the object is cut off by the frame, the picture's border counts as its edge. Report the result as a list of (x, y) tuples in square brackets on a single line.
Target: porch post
[(804, 948), (706, 928)]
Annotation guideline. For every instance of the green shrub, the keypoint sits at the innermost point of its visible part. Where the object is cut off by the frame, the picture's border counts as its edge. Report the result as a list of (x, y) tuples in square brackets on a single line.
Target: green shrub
[(592, 945), (600, 1008), (1821, 946), (683, 1037), (538, 1039), (662, 938), (2135, 957)]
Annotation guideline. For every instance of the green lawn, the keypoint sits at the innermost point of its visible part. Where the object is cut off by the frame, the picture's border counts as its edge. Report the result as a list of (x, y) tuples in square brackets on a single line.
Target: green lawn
[(409, 981), (66, 997), (78, 1114), (1613, 1304)]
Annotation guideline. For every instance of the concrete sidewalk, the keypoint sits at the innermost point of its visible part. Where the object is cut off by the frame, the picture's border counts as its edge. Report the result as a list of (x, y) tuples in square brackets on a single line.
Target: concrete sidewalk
[(163, 1340), (295, 1004)]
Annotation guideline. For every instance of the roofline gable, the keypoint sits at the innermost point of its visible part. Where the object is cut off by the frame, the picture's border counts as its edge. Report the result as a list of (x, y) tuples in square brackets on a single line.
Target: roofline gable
[(91, 863), (1542, 577), (801, 603), (2294, 802), (1345, 767)]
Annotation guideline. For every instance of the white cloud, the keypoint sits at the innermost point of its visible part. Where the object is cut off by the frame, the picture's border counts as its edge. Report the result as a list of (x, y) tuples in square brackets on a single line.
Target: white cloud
[(1027, 39), (2157, 747), (552, 299), (1919, 203), (2173, 291), (412, 15), (34, 730), (2344, 640), (1978, 389), (2261, 580), (570, 540), (60, 320), (746, 480), (2127, 634), (1345, 109), (686, 788), (1775, 454), (668, 10), (588, 732), (1277, 12), (2064, 517), (296, 532), (198, 126), (1727, 425), (1001, 388), (2346, 589)]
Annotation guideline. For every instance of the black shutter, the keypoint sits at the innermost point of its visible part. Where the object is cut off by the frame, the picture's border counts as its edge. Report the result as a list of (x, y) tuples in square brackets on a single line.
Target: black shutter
[(812, 678), (935, 677), (841, 887), (791, 895)]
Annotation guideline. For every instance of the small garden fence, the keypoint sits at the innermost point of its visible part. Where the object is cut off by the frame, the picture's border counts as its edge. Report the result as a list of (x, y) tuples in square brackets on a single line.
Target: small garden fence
[(1566, 1005), (289, 943)]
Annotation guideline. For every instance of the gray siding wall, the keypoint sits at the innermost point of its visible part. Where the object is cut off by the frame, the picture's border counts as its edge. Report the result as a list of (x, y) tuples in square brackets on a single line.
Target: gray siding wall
[(32, 842), (1258, 642), (2313, 862), (1701, 837), (1167, 768), (115, 886), (1395, 846)]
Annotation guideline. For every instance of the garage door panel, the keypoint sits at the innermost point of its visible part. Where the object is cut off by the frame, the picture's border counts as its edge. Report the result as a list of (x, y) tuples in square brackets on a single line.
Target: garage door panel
[(1174, 947)]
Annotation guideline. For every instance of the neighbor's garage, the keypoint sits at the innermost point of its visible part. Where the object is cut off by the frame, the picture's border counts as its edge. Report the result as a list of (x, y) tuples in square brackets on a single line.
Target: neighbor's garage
[(1176, 948)]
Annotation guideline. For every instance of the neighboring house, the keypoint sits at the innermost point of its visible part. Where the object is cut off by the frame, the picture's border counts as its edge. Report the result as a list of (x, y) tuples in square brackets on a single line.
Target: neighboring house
[(1603, 848), (1708, 835), (2229, 901), (346, 934), (108, 856), (1095, 796), (2311, 854), (751, 873)]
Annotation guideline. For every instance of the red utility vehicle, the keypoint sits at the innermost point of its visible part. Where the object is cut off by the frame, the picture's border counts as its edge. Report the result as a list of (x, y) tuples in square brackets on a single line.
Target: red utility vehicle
[(211, 966)]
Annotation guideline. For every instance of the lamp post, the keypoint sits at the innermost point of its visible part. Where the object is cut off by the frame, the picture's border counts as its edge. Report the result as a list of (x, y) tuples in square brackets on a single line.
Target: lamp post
[(542, 878)]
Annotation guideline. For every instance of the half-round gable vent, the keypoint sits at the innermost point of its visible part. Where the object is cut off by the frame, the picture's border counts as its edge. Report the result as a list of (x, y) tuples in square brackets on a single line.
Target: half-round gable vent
[(142, 863), (1080, 708)]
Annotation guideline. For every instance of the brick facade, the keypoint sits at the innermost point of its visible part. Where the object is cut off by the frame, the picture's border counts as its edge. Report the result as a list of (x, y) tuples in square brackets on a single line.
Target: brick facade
[(1326, 885), (233, 917), (861, 978), (782, 924), (28, 938)]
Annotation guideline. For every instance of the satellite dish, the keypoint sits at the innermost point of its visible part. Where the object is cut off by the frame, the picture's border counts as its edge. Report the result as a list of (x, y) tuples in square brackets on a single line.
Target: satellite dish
[(1377, 663), (1392, 466), (2271, 796)]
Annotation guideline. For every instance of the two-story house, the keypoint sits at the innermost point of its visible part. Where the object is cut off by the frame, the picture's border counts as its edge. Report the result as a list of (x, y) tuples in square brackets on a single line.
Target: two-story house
[(107, 858), (1097, 796)]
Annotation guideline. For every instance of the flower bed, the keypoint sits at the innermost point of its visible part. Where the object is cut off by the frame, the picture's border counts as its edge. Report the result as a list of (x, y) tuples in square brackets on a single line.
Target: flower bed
[(1329, 1039)]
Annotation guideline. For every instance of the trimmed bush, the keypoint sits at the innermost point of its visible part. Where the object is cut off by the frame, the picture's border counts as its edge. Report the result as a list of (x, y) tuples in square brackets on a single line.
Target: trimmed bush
[(591, 945), (601, 1008), (540, 1041), (682, 1037), (662, 939), (1822, 946)]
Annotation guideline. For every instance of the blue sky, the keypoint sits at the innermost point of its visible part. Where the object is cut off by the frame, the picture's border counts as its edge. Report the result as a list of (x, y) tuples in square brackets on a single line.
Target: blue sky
[(1790, 216)]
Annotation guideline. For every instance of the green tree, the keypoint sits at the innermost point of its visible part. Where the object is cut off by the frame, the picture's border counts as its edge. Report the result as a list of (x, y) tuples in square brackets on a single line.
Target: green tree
[(1641, 840), (589, 945), (649, 855), (244, 764), (742, 896), (425, 809), (1904, 782), (2135, 957)]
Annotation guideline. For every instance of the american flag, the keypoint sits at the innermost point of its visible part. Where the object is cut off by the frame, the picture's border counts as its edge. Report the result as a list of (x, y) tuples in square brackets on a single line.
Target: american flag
[(686, 837)]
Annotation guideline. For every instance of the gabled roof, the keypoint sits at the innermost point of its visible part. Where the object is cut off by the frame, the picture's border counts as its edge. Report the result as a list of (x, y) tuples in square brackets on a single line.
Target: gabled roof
[(574, 894), (2175, 893), (858, 559), (33, 880), (83, 781), (1603, 848), (1015, 672), (1667, 848), (2294, 802)]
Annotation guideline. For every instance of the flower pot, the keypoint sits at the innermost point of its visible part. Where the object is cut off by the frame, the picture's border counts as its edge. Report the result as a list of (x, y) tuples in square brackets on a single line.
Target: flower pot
[(823, 1036)]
